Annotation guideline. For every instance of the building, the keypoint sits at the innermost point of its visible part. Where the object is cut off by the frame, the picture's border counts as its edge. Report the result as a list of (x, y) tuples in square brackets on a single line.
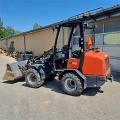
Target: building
[(107, 34)]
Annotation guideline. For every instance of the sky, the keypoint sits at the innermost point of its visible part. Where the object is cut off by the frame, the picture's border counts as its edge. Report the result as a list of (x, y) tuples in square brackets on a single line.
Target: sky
[(22, 14)]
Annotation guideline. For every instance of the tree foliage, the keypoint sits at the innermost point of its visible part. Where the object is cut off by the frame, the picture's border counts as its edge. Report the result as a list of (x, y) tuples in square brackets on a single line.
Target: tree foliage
[(7, 31), (2, 29), (36, 26), (17, 32)]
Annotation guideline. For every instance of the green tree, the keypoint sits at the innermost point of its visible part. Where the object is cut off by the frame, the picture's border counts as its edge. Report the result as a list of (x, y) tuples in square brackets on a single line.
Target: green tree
[(2, 29), (7, 31), (36, 26), (17, 32), (1, 23)]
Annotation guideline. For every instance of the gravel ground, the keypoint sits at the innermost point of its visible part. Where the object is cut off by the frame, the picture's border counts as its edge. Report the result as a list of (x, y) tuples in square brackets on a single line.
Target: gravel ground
[(19, 102)]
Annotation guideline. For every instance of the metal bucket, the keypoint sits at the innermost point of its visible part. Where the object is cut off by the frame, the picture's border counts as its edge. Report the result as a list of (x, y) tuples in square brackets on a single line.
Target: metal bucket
[(13, 70)]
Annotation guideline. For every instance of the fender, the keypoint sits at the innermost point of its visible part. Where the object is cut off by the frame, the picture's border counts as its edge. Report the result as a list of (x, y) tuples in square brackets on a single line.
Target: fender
[(40, 69), (77, 72), (36, 66)]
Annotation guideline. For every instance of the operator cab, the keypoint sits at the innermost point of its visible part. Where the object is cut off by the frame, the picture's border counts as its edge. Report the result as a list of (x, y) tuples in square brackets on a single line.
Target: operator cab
[(63, 50)]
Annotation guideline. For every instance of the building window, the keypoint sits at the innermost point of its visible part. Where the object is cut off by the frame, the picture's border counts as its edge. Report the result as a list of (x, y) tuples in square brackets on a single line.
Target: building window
[(88, 31), (112, 38), (112, 26), (99, 28), (99, 39)]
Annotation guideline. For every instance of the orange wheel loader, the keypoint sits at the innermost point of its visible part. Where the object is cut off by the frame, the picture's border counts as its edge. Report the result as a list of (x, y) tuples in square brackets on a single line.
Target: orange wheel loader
[(76, 69)]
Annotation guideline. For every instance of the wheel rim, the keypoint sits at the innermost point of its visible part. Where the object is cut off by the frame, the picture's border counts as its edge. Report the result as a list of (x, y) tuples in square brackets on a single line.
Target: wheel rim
[(31, 77), (70, 84)]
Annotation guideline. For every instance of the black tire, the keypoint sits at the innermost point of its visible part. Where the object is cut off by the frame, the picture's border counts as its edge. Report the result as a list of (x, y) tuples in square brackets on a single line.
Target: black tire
[(72, 84), (33, 79)]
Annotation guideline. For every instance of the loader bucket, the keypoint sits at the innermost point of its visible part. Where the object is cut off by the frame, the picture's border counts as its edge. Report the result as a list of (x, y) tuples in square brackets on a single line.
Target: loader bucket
[(13, 70)]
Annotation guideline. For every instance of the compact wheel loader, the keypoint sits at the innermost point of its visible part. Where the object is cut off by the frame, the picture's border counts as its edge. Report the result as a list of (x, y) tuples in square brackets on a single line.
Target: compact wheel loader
[(76, 69)]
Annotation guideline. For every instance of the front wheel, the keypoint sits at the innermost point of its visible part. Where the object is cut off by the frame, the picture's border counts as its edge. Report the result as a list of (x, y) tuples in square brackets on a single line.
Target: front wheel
[(33, 79), (72, 84)]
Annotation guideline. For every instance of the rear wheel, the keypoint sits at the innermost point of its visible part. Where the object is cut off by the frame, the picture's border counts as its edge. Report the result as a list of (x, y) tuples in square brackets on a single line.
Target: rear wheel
[(72, 84), (33, 79)]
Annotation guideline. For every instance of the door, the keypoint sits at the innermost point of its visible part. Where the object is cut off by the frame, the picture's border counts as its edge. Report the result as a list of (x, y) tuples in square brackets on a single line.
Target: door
[(110, 43)]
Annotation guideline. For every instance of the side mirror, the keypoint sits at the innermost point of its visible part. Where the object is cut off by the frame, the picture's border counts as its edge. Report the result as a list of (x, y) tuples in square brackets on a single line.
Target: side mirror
[(94, 26), (85, 25)]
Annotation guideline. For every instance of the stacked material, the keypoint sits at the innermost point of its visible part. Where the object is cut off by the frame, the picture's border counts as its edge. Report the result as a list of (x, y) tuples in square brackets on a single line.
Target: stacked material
[(2, 51)]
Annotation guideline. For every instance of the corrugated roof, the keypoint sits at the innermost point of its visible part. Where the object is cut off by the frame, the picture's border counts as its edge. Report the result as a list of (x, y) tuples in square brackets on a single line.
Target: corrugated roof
[(93, 14)]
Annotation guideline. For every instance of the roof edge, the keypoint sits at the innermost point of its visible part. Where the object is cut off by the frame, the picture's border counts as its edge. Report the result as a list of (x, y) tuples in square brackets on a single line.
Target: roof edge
[(79, 16)]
